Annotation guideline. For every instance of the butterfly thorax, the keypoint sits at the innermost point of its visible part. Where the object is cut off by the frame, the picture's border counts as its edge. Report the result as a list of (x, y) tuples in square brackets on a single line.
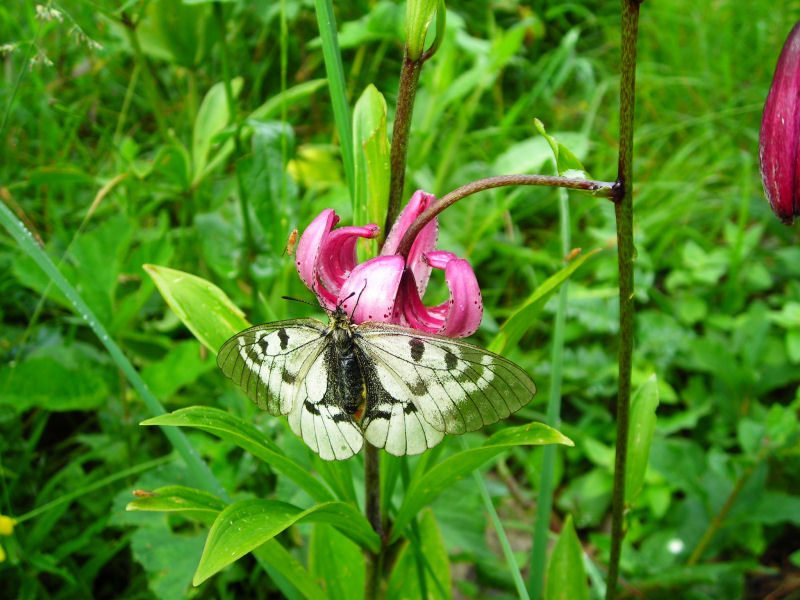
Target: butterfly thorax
[(345, 367)]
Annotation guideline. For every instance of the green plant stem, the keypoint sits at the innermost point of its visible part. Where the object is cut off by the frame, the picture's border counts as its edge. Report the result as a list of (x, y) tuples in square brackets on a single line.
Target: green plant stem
[(508, 552), (720, 517), (544, 504), (149, 77), (623, 211), (93, 486), (406, 93), (373, 583), (603, 189), (333, 67)]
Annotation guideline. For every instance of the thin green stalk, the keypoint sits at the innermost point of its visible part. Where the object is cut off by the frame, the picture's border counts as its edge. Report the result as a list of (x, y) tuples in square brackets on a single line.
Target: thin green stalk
[(544, 504), (126, 102), (149, 77), (341, 108), (93, 487), (719, 518), (519, 583), (623, 211), (250, 248), (407, 91), (23, 237)]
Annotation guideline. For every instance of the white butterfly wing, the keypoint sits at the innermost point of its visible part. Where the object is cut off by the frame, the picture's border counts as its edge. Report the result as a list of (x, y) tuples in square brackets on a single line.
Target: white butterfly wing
[(317, 416), (284, 368), (455, 386), (271, 361)]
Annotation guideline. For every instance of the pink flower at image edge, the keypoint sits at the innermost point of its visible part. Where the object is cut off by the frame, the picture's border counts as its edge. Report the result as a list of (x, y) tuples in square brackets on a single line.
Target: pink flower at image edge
[(389, 288), (779, 139)]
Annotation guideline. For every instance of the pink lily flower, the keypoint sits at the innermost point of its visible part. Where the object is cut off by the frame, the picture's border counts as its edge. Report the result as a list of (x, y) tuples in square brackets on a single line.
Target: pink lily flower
[(779, 139), (388, 288)]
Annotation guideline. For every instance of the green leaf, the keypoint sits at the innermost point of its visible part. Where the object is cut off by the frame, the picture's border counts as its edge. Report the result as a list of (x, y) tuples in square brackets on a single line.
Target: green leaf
[(404, 581), (182, 365), (168, 559), (326, 22), (423, 489), (235, 430), (245, 525), (204, 308), (566, 575), (640, 436), (212, 117), (43, 382), (372, 158), (337, 563), (522, 319), (291, 96), (280, 563), (191, 502), (567, 164), (419, 14)]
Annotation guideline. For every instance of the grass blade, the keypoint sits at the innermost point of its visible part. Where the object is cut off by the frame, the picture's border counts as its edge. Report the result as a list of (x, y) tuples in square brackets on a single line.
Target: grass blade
[(178, 440), (333, 67)]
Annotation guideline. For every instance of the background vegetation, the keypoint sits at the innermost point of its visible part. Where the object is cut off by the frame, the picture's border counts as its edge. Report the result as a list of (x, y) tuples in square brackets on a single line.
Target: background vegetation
[(118, 150)]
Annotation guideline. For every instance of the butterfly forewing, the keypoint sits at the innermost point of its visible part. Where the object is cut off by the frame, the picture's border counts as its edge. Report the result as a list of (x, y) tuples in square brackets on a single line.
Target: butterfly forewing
[(269, 361), (457, 386)]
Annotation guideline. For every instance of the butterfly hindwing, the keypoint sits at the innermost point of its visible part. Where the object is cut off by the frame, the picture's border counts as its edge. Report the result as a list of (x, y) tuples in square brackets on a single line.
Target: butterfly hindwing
[(317, 415), (456, 386), (392, 423)]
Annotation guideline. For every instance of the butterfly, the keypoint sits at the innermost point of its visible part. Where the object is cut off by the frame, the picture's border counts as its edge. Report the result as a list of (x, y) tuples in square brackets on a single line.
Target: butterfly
[(399, 388)]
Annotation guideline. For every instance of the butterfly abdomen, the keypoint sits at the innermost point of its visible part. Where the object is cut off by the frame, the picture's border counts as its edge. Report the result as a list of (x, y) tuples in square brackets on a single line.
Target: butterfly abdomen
[(350, 376)]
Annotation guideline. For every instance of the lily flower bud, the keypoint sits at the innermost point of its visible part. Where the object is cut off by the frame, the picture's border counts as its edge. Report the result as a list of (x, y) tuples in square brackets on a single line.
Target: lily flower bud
[(780, 133)]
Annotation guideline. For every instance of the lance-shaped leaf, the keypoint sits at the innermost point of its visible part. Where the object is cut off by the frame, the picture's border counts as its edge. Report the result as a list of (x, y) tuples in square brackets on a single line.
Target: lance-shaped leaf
[(566, 575), (372, 158), (245, 525), (640, 436), (233, 429), (425, 488), (204, 308)]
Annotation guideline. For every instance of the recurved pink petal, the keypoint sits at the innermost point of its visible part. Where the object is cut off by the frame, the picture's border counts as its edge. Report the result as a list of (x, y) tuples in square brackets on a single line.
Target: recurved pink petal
[(424, 242), (780, 133), (308, 252), (370, 293), (465, 304), (338, 256), (413, 312)]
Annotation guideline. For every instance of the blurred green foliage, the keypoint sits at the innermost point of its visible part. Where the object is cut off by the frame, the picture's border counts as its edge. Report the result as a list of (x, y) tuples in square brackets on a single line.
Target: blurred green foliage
[(120, 147)]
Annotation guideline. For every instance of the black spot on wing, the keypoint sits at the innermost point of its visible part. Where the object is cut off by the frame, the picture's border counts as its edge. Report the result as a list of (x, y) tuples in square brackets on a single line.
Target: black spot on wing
[(417, 348), (287, 377), (450, 360), (418, 388), (283, 337), (311, 408)]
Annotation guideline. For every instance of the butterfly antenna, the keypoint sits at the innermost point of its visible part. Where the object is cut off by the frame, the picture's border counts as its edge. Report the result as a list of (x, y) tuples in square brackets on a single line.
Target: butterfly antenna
[(358, 299), (298, 300)]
